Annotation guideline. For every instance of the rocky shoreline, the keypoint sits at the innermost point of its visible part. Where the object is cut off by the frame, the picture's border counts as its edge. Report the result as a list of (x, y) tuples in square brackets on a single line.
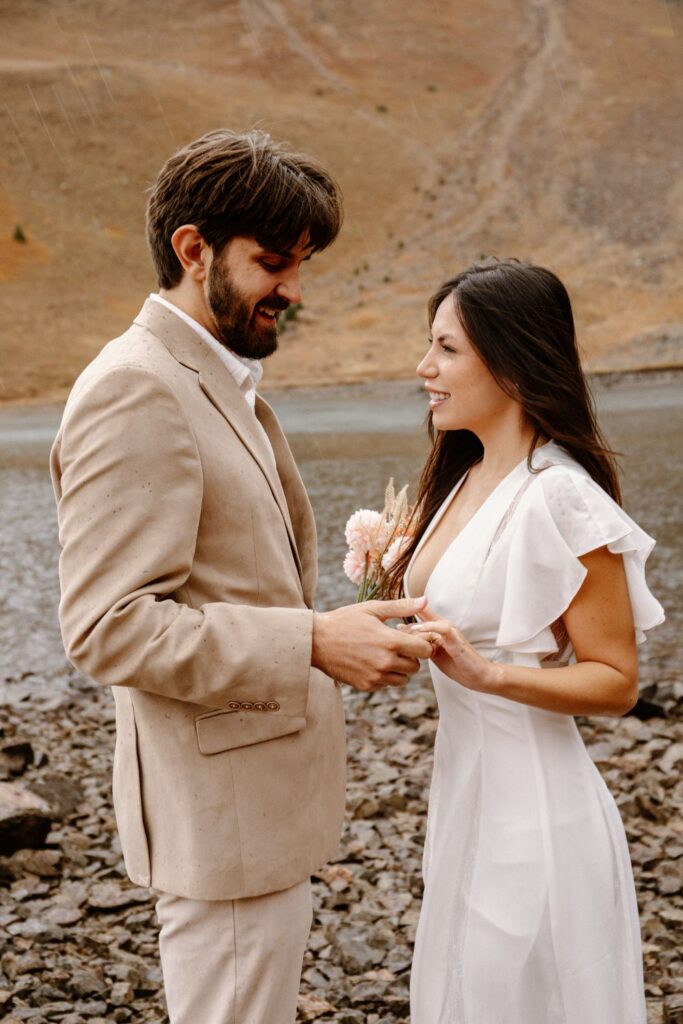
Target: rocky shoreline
[(78, 941)]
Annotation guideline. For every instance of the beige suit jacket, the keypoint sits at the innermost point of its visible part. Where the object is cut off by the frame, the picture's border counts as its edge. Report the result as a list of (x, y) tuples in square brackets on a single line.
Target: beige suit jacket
[(187, 569)]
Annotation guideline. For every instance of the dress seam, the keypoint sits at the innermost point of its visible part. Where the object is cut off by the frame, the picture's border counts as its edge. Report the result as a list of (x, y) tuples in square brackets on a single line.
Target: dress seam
[(547, 846), (458, 1012)]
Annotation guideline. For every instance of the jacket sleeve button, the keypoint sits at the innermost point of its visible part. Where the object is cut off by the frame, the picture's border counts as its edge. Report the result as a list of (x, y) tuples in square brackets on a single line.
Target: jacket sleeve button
[(273, 705), (234, 705), (247, 705), (259, 705)]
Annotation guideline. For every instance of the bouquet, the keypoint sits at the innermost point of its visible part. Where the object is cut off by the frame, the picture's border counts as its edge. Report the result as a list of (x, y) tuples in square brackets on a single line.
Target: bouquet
[(375, 541)]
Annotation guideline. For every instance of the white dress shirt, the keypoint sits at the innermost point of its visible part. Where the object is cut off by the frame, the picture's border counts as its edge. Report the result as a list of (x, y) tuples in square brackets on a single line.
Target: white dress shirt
[(246, 373)]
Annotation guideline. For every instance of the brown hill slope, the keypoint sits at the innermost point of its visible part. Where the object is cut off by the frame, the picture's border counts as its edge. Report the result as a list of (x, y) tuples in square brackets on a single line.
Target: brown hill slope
[(547, 129)]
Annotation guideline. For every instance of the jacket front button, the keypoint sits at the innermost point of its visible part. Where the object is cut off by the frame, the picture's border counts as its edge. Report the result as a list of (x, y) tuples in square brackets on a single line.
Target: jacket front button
[(273, 705)]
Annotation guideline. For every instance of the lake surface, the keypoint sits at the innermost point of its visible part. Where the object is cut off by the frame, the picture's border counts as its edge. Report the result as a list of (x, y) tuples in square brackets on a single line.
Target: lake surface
[(348, 441)]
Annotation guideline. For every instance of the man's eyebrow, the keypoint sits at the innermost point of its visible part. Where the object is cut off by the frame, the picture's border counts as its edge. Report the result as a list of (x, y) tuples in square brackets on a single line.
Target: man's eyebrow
[(285, 254)]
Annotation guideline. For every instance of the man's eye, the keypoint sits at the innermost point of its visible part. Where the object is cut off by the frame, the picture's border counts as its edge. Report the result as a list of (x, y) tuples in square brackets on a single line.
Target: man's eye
[(271, 267)]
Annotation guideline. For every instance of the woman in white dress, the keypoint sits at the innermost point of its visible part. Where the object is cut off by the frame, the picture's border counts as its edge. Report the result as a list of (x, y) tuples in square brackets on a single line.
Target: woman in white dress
[(536, 600)]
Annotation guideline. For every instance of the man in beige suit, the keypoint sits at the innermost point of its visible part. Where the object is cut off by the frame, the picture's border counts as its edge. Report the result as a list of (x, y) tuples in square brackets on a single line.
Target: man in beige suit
[(188, 569)]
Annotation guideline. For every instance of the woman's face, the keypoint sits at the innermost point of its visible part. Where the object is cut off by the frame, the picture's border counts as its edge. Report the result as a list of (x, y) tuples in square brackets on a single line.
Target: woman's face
[(463, 394)]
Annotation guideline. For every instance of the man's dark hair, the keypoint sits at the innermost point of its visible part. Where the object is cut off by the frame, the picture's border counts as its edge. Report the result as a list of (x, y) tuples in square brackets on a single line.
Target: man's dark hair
[(230, 183)]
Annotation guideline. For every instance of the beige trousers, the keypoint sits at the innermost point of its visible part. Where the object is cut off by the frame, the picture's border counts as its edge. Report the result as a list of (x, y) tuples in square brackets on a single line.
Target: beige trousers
[(234, 961)]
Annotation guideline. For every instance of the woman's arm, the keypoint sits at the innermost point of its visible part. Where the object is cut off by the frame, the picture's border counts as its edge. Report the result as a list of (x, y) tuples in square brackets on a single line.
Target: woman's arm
[(599, 622)]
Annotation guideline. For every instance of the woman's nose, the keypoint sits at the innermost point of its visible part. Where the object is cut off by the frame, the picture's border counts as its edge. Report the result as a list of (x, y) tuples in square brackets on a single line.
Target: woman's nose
[(425, 368)]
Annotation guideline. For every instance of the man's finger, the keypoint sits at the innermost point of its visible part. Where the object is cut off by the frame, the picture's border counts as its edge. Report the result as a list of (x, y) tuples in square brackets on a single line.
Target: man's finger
[(413, 646), (395, 679), (400, 609), (407, 664)]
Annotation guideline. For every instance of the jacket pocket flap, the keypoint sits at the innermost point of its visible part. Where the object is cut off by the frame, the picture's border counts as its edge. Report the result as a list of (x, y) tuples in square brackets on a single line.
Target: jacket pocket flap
[(226, 730)]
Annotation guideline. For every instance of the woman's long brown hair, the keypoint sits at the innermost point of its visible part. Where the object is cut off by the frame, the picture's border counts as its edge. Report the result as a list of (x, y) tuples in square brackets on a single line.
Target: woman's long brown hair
[(519, 319)]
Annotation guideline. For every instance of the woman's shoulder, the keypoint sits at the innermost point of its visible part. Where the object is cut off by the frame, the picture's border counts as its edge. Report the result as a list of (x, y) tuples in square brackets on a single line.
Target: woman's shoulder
[(561, 515), (560, 489), (557, 480), (555, 464)]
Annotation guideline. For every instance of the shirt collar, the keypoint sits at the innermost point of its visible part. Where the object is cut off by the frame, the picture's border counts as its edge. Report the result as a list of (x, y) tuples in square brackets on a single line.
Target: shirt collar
[(246, 373)]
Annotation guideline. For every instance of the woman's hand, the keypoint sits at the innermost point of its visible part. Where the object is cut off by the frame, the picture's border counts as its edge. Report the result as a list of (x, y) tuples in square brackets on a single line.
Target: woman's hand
[(454, 655), (599, 621)]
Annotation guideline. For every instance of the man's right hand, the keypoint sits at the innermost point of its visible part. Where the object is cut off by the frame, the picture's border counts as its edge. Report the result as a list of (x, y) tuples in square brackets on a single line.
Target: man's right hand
[(353, 645)]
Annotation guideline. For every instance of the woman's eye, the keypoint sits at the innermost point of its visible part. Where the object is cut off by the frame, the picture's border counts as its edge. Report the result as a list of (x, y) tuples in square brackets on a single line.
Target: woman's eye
[(447, 348)]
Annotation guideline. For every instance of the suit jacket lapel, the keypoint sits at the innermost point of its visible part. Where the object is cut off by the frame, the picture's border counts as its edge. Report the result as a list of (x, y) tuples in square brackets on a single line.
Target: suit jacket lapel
[(231, 403), (219, 387), (302, 518)]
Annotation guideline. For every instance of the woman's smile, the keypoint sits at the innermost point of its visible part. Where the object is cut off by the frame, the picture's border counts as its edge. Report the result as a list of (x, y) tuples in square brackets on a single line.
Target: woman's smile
[(436, 398)]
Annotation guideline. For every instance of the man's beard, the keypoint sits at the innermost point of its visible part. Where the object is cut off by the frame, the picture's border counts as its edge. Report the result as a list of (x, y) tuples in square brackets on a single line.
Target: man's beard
[(235, 318)]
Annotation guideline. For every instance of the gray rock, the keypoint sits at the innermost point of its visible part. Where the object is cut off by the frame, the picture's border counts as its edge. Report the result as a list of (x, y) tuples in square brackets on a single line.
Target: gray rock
[(15, 757), (111, 895), (121, 1014), (62, 793), (87, 1008), (63, 915), (37, 929), (24, 818), (45, 863), (84, 982), (356, 955), (121, 994), (673, 1009)]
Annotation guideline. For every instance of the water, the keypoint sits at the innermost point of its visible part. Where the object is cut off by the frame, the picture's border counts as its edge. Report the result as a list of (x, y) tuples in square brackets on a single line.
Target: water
[(348, 441)]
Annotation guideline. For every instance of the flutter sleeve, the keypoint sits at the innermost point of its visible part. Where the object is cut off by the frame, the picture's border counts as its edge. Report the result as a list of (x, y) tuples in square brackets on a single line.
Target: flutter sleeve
[(564, 515)]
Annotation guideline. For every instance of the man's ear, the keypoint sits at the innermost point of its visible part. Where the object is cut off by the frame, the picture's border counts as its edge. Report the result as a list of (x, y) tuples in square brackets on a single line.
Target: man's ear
[(192, 251)]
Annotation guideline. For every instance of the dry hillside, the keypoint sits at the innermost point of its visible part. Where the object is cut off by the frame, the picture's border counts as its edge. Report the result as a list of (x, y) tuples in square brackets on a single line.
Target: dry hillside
[(547, 129)]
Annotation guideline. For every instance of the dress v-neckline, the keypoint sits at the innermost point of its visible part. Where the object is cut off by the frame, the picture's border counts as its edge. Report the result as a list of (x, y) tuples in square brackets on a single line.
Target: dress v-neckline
[(441, 513)]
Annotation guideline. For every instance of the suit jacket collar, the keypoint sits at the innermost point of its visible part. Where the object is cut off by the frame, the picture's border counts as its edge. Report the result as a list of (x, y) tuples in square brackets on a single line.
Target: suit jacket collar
[(188, 348)]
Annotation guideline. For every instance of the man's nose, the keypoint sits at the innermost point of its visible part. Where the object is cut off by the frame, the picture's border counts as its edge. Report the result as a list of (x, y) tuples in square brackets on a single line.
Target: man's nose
[(290, 288)]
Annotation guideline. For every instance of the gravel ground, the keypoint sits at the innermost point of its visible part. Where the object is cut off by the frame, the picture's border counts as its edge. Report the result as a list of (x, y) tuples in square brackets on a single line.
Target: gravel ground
[(79, 941)]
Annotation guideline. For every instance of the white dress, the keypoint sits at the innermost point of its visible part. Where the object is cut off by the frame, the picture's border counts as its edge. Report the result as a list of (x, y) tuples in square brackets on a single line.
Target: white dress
[(529, 913)]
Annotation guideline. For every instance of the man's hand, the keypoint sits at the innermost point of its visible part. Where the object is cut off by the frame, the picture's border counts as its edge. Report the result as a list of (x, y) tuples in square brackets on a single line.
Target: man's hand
[(352, 644)]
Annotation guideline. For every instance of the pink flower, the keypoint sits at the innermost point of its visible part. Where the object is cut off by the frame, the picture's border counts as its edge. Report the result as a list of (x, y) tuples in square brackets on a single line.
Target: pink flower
[(375, 540), (354, 566), (362, 531), (394, 550)]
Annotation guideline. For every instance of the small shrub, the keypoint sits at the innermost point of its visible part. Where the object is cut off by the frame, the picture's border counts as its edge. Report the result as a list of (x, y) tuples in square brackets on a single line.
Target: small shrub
[(289, 314), (18, 234)]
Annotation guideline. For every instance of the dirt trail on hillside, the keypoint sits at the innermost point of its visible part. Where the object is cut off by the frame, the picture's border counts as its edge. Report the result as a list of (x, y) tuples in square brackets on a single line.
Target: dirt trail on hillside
[(541, 129)]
